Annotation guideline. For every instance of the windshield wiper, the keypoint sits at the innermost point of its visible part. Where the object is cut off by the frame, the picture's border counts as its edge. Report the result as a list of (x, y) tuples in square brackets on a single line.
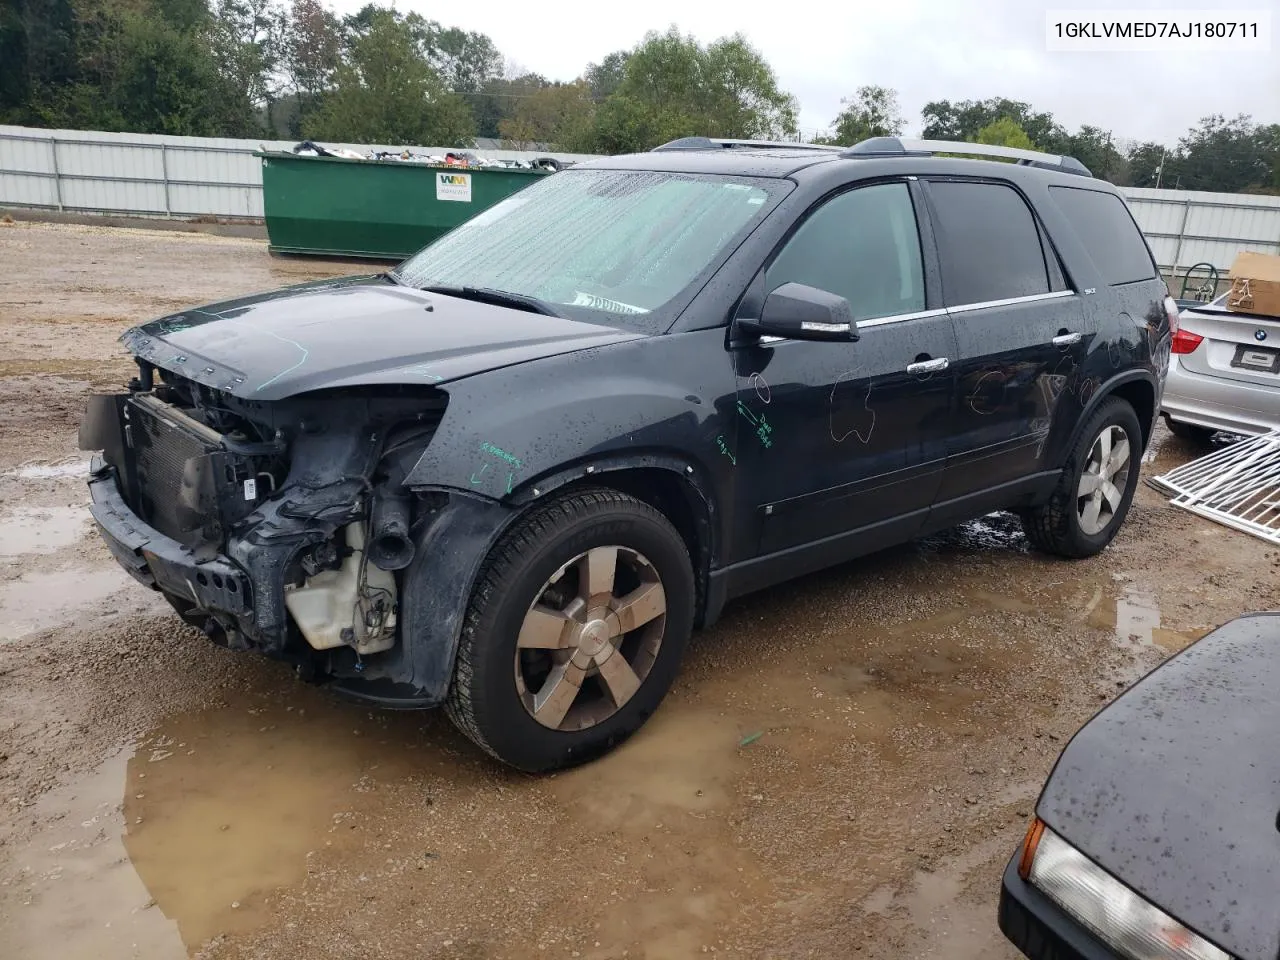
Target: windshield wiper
[(501, 298)]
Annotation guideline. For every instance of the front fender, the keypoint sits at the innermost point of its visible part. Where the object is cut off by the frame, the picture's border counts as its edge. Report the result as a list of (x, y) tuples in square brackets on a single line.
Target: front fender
[(515, 433)]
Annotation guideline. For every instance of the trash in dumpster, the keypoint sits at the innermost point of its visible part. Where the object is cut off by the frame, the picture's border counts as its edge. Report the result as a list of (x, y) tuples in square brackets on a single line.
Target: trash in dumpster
[(1237, 486), (454, 158)]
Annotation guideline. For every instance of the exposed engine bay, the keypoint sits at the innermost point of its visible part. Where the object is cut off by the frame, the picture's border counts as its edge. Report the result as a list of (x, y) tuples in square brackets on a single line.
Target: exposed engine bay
[(304, 496)]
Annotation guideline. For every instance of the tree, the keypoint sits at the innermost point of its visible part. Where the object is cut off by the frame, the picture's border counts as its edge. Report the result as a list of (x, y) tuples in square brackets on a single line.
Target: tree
[(1226, 155), (386, 92), (1268, 138), (465, 61), (604, 78), (562, 114), (742, 97), (309, 54), (500, 101), (1004, 133), (185, 16), (673, 87), (1093, 147), (144, 66), (1145, 160), (871, 112), (625, 125), (944, 120), (246, 41), (37, 56), (168, 81)]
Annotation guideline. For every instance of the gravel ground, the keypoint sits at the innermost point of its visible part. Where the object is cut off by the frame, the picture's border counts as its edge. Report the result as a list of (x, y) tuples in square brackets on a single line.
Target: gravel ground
[(843, 766)]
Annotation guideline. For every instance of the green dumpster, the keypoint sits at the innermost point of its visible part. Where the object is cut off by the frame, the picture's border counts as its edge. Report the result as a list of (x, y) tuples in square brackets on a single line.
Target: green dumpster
[(382, 209)]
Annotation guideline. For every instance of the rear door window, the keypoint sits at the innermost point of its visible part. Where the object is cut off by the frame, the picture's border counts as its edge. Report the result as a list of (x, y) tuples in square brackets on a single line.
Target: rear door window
[(862, 245), (988, 243), (1107, 230)]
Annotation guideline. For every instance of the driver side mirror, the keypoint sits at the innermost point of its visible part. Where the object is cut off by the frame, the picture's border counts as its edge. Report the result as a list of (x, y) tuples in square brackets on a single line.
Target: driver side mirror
[(798, 311)]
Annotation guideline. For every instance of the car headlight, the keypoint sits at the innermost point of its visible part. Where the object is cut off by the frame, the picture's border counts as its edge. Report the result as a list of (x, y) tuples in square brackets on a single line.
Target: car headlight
[(1137, 929)]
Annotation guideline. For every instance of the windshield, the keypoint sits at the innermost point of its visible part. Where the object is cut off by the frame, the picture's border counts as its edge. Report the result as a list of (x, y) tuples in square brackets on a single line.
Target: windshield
[(592, 243)]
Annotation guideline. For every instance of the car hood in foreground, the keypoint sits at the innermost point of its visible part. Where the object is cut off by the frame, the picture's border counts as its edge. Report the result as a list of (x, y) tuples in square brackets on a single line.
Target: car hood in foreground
[(1175, 787), (350, 332)]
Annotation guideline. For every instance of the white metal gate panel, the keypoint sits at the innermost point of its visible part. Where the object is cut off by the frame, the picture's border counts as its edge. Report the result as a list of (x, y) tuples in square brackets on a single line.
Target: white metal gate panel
[(1238, 486)]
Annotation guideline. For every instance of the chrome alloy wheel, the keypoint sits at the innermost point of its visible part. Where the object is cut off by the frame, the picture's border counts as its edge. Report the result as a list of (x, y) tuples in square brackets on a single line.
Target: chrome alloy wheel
[(590, 638), (1103, 481)]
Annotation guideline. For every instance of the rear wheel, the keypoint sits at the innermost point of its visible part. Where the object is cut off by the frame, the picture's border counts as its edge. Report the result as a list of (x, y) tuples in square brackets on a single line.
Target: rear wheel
[(1200, 436), (574, 631), (1092, 498)]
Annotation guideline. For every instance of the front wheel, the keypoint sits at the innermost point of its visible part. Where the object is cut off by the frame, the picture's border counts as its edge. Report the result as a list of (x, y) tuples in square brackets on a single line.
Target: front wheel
[(574, 631), (1092, 498)]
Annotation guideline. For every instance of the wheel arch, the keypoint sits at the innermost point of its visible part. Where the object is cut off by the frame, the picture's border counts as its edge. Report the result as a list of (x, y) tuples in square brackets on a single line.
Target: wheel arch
[(671, 485), (1140, 394), (1135, 387)]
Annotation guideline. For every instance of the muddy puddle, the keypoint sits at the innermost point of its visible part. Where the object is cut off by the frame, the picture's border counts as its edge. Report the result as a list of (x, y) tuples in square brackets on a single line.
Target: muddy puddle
[(36, 530), (76, 894), (36, 601), (74, 467), (48, 577), (225, 807), (187, 835), (1133, 615)]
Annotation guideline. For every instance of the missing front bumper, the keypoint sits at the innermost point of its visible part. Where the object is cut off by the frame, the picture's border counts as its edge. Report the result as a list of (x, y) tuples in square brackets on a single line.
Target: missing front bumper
[(217, 586)]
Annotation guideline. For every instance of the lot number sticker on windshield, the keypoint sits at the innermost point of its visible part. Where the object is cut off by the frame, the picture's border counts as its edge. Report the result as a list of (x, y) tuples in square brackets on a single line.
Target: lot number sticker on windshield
[(453, 186)]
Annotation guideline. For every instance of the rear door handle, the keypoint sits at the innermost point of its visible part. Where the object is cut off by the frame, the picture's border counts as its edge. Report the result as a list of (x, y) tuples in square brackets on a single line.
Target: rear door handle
[(928, 366), (1067, 339)]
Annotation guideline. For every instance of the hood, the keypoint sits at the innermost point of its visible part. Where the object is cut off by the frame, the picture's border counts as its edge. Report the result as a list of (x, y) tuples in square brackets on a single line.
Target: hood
[(1174, 788), (350, 332)]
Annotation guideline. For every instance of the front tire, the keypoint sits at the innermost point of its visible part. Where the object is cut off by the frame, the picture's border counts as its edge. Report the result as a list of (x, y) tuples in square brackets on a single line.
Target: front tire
[(1093, 496), (574, 631)]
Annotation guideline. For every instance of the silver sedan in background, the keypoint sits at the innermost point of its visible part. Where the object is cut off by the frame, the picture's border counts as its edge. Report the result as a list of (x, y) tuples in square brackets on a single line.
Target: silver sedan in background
[(1224, 373)]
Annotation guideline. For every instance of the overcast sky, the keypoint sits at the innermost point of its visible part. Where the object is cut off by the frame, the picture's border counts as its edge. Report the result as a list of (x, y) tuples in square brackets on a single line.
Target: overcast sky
[(925, 49)]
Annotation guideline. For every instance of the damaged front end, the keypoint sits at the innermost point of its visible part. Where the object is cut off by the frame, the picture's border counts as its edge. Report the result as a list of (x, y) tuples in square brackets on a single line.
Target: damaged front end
[(283, 527)]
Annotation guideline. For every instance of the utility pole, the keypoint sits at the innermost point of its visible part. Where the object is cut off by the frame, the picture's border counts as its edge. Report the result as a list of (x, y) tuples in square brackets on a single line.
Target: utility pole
[(1160, 169)]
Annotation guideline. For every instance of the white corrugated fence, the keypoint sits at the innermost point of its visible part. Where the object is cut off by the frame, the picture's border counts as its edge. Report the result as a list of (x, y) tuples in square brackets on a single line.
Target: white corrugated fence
[(132, 174), (1187, 227), (162, 176)]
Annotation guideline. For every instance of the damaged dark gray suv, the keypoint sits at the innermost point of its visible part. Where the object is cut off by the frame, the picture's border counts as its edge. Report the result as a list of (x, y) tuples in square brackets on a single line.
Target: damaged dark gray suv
[(513, 474)]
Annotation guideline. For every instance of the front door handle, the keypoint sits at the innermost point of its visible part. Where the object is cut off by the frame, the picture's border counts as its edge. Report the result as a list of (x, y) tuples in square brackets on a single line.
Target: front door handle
[(1067, 339), (928, 366)]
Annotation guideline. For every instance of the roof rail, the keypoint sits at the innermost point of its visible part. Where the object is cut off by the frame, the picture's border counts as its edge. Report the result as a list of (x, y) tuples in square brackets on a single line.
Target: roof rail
[(900, 147), (719, 143)]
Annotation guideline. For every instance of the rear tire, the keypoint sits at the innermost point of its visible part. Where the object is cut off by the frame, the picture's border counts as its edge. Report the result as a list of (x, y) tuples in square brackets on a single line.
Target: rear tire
[(1093, 496), (1200, 436), (574, 631)]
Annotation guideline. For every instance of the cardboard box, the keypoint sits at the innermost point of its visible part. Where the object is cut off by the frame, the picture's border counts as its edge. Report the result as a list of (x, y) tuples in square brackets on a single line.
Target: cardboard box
[(1255, 284)]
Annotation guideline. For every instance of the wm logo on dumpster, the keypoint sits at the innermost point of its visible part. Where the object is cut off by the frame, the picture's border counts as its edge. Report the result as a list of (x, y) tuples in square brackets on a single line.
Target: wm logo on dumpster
[(453, 186)]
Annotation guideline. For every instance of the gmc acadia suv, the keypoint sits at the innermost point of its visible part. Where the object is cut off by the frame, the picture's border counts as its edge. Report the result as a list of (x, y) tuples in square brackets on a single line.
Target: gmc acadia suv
[(513, 474)]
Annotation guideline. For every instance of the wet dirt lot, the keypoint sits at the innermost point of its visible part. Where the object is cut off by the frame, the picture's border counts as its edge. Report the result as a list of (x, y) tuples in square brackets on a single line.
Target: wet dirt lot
[(842, 768)]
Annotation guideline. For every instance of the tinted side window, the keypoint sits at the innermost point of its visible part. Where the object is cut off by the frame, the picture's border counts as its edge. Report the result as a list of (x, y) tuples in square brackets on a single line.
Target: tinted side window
[(862, 245), (988, 243), (1108, 232)]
